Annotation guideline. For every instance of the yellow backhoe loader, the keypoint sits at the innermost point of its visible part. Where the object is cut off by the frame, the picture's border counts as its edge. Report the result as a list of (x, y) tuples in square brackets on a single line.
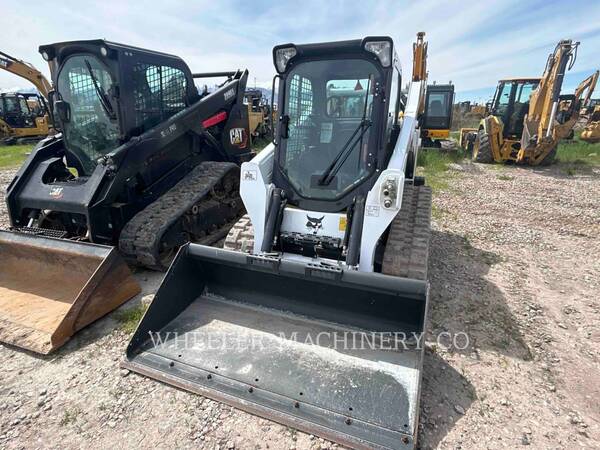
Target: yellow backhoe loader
[(528, 116), (19, 121)]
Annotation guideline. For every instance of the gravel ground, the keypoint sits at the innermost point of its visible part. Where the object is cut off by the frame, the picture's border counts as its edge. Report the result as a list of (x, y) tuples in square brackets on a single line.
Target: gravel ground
[(515, 265)]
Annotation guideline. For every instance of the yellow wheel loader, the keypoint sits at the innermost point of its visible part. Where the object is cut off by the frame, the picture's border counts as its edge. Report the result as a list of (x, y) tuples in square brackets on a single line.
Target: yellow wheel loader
[(319, 323), (529, 117), (591, 132), (19, 121), (259, 114)]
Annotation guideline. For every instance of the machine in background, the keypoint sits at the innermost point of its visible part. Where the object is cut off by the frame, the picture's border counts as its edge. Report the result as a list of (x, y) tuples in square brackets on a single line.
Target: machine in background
[(529, 116), (24, 117)]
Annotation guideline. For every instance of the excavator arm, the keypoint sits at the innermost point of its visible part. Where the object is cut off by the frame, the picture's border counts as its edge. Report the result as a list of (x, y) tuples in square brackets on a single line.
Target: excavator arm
[(544, 102), (420, 67), (27, 71), (420, 58), (588, 85)]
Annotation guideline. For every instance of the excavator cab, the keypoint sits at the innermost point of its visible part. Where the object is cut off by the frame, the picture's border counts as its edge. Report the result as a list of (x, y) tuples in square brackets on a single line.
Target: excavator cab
[(24, 116), (511, 103), (14, 111), (437, 118)]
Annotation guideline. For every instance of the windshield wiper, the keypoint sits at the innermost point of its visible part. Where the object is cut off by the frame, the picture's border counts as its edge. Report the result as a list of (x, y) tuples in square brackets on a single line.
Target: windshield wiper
[(106, 106), (344, 153), (346, 149)]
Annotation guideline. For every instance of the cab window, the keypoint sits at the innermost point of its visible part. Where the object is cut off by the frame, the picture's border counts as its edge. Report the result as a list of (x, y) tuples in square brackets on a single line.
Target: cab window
[(159, 93)]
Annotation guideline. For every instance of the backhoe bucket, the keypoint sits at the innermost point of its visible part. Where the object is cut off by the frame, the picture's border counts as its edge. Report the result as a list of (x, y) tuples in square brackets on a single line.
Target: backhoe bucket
[(51, 288), (331, 352)]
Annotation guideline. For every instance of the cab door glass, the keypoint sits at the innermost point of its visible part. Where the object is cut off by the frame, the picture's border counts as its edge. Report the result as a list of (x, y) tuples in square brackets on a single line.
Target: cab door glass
[(503, 99)]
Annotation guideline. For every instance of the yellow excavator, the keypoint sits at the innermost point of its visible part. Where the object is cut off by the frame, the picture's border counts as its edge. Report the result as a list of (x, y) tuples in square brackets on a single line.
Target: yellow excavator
[(436, 111), (24, 116), (528, 116)]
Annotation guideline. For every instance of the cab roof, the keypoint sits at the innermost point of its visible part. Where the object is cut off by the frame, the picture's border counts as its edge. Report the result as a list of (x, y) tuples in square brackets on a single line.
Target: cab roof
[(521, 79), (63, 49)]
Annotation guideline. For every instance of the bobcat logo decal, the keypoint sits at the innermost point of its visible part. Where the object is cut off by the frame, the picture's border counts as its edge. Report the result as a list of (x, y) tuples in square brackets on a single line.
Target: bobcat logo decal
[(314, 224)]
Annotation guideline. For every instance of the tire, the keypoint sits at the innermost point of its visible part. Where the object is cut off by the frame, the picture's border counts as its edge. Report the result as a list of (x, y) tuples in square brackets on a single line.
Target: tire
[(482, 150), (241, 236), (550, 157)]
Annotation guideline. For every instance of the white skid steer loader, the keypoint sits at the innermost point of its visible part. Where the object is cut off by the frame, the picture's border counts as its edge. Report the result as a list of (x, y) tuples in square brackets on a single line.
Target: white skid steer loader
[(316, 317)]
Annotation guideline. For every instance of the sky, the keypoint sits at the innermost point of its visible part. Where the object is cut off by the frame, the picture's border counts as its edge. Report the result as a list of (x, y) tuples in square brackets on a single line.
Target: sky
[(471, 43)]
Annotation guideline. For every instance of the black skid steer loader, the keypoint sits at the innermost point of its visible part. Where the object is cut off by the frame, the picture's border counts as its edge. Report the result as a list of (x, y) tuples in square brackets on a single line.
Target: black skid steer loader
[(316, 317), (143, 163)]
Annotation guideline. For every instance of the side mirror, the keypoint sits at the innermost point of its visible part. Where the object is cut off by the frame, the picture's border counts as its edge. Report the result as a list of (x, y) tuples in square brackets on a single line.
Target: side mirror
[(63, 110)]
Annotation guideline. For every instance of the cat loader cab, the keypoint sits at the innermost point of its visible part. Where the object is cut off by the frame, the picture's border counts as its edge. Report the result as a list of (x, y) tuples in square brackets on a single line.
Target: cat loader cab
[(511, 103)]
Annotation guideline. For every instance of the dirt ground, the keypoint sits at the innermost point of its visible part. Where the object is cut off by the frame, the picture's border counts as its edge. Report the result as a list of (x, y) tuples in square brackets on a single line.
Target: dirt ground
[(515, 264)]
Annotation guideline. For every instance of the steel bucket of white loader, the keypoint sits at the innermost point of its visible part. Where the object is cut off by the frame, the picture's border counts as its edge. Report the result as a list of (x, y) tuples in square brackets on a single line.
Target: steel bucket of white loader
[(331, 352)]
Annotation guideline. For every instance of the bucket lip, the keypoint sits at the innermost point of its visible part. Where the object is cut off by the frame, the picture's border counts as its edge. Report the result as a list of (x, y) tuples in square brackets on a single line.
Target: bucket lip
[(198, 381), (46, 242)]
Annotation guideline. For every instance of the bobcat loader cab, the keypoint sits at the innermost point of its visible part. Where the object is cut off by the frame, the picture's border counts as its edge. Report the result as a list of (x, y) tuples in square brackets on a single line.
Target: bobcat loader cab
[(338, 249), (331, 147)]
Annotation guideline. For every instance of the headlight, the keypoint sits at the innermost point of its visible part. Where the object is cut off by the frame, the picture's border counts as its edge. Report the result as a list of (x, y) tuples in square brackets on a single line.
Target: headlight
[(383, 50), (104, 51), (46, 56), (282, 56)]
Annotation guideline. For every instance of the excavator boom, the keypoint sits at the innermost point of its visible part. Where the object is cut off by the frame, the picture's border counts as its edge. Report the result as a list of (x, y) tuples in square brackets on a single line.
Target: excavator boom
[(27, 71)]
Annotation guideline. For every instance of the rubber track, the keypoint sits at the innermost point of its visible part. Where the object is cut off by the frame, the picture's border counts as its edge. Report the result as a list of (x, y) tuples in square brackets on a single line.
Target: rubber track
[(140, 238), (407, 248)]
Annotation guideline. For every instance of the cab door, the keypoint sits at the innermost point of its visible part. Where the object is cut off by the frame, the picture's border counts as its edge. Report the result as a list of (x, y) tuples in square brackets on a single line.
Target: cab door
[(438, 107)]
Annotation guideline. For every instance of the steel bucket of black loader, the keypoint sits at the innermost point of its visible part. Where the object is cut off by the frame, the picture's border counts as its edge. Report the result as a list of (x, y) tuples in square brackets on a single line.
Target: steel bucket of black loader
[(52, 288), (318, 349)]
